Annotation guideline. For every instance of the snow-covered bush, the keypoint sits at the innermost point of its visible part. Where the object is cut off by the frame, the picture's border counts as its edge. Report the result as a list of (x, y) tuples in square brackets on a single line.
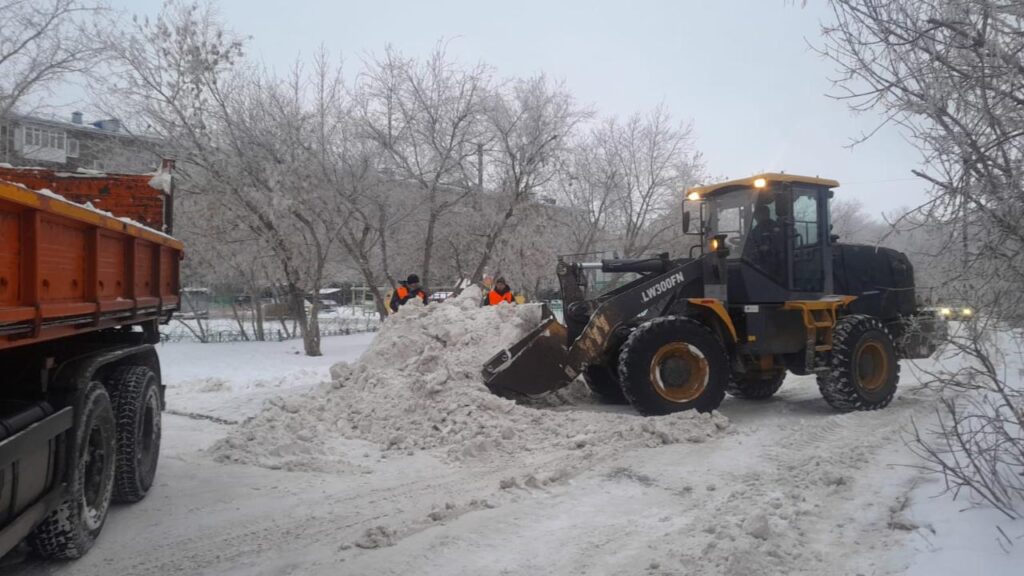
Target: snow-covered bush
[(950, 73)]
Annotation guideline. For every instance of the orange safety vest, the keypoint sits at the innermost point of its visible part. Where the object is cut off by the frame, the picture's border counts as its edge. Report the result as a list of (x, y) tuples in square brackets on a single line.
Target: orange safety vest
[(494, 297), (403, 294)]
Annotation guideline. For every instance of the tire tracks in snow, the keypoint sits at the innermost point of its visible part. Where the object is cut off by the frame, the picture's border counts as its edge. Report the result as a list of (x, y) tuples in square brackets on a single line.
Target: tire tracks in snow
[(817, 501), (403, 508)]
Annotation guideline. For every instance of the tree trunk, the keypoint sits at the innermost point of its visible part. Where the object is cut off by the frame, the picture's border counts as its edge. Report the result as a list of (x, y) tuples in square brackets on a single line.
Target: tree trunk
[(371, 282), (428, 248), (259, 333), (238, 320), (311, 339), (492, 241), (384, 259), (309, 328), (257, 310)]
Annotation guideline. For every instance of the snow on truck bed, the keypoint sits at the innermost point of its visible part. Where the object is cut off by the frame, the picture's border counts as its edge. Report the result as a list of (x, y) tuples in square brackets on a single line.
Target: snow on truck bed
[(418, 386)]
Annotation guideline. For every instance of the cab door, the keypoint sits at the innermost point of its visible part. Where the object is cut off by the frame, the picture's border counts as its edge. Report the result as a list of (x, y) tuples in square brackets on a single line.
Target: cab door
[(808, 244)]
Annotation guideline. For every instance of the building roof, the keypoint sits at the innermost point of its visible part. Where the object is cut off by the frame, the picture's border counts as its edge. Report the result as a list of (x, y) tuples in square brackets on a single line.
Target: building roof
[(769, 177), (85, 127)]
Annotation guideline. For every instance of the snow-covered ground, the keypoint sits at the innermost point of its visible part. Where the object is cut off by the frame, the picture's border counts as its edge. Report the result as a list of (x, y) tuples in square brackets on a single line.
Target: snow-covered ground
[(232, 381), (788, 487)]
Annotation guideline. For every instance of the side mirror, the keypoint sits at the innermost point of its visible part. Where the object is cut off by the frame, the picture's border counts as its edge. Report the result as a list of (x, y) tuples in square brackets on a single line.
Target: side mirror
[(686, 221)]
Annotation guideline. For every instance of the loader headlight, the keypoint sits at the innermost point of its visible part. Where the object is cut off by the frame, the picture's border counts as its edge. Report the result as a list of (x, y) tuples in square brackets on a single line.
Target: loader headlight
[(717, 244), (694, 196), (760, 183), (966, 312), (945, 312)]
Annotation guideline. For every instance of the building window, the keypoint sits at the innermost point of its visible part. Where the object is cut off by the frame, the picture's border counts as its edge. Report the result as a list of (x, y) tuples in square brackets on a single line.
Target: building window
[(72, 149), (6, 139), (42, 138)]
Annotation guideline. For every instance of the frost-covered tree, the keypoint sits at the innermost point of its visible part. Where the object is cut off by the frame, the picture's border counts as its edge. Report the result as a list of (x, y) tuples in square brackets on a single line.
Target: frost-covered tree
[(588, 190), (528, 122), (627, 179), (950, 73), (234, 130), (42, 43), (852, 223), (429, 117), (362, 204)]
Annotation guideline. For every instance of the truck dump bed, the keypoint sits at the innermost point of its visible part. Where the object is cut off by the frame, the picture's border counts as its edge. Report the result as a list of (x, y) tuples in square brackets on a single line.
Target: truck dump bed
[(67, 269)]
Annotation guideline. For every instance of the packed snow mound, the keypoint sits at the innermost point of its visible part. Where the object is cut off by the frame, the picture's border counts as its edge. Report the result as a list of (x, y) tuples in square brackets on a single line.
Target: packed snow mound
[(418, 387)]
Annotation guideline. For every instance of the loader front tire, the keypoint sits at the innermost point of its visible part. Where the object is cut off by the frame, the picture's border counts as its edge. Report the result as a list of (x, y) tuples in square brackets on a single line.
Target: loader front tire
[(756, 385), (864, 368), (673, 364)]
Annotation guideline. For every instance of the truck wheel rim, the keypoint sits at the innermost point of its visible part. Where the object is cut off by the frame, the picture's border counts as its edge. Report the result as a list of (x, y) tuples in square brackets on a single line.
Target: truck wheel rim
[(96, 477), (872, 366), (679, 372)]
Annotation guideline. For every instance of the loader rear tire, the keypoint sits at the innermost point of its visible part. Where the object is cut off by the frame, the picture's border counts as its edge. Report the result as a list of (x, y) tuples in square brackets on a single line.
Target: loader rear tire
[(864, 368), (673, 364), (604, 383), (755, 386)]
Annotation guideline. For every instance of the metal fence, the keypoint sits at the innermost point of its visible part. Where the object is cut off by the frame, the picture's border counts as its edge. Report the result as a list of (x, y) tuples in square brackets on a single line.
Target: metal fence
[(215, 330)]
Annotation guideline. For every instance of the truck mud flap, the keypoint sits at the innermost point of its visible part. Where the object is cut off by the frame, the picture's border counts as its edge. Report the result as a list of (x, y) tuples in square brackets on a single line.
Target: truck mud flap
[(534, 365)]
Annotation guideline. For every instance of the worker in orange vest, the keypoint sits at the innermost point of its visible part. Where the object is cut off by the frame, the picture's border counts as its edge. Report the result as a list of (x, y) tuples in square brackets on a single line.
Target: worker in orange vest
[(500, 293), (407, 291)]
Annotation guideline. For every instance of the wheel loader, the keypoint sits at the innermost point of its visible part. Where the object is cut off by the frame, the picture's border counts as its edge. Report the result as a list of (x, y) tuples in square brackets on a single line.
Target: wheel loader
[(767, 290)]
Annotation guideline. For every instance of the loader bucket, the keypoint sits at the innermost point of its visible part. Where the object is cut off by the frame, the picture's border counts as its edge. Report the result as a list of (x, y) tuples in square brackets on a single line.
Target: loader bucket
[(534, 365)]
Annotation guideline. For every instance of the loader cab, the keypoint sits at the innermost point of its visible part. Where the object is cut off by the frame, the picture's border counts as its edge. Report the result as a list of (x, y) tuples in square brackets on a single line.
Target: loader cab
[(773, 230)]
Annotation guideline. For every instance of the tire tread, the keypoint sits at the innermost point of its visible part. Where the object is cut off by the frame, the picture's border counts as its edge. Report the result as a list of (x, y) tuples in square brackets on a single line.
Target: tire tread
[(128, 385), (836, 385), (650, 333)]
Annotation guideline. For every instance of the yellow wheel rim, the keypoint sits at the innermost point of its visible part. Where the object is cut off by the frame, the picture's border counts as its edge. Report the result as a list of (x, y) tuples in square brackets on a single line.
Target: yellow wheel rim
[(679, 372), (872, 366)]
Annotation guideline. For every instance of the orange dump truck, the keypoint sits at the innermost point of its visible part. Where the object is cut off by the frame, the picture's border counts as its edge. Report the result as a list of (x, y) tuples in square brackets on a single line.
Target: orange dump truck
[(82, 292)]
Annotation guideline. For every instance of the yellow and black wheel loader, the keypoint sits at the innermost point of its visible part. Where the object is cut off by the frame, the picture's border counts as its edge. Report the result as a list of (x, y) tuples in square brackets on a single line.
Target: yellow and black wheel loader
[(767, 289)]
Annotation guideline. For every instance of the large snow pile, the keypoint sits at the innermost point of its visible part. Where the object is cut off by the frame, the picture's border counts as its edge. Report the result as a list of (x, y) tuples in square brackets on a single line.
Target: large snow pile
[(418, 386)]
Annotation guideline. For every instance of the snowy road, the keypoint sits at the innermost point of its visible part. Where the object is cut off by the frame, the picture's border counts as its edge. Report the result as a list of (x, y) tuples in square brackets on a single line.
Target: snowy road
[(791, 488)]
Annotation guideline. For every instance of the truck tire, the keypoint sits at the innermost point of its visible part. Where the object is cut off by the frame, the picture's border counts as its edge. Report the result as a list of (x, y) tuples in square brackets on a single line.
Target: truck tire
[(864, 368), (70, 530), (603, 381), (755, 386), (137, 407), (673, 364)]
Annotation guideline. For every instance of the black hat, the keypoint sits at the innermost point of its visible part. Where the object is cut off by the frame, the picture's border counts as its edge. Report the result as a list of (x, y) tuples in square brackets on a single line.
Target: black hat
[(501, 280), (412, 279)]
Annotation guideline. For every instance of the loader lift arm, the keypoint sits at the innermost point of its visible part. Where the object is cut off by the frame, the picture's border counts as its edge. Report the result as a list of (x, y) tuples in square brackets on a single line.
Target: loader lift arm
[(552, 355)]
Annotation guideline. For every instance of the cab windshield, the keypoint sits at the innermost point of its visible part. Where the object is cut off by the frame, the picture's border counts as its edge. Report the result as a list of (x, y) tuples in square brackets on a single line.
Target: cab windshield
[(758, 223), (750, 220)]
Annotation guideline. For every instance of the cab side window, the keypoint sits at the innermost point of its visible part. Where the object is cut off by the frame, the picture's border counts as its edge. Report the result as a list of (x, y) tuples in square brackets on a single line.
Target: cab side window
[(805, 218)]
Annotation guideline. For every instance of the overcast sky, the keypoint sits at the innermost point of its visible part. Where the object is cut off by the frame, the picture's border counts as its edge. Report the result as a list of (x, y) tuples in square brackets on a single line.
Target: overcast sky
[(741, 70)]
